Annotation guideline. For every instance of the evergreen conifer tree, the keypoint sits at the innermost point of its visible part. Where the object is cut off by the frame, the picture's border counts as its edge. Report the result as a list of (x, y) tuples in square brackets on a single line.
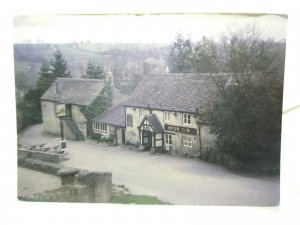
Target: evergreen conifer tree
[(29, 109), (93, 71), (59, 66)]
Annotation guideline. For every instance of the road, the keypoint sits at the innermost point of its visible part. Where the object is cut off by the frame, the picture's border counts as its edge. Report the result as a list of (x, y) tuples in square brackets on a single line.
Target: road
[(174, 179)]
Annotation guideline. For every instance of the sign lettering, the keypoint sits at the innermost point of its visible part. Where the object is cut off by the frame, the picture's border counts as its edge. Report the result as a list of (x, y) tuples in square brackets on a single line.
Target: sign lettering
[(184, 130)]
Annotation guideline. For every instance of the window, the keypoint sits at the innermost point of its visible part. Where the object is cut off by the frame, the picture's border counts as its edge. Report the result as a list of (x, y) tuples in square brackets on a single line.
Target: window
[(187, 142), (129, 120), (167, 116), (142, 112), (81, 126), (100, 128), (147, 127), (186, 118)]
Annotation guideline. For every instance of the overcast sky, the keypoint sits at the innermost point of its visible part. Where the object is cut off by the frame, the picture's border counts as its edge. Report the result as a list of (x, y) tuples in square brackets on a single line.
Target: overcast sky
[(137, 29)]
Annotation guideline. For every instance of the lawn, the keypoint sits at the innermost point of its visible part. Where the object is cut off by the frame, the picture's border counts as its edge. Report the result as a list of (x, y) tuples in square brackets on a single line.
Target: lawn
[(137, 199)]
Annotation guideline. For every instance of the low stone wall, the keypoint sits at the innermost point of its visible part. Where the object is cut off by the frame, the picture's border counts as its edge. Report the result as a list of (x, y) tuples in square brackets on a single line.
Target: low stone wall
[(44, 156), (77, 185), (46, 167), (91, 187)]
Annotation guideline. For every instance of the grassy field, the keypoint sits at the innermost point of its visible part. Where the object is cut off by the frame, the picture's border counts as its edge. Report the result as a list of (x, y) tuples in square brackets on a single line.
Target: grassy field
[(120, 195), (122, 199), (138, 199)]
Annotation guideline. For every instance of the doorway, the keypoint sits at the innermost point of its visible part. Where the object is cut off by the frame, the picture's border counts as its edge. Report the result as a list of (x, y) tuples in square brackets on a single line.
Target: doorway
[(69, 110), (147, 139), (169, 142), (123, 136)]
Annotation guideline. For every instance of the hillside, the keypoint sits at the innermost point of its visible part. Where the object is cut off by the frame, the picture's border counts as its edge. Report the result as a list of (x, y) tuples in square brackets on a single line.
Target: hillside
[(124, 60)]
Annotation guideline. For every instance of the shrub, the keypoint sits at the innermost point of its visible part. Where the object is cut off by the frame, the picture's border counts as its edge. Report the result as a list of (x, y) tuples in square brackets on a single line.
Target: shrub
[(109, 140), (220, 158)]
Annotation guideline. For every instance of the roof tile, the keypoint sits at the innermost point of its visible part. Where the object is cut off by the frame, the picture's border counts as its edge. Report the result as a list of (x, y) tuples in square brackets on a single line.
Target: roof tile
[(174, 92), (74, 90)]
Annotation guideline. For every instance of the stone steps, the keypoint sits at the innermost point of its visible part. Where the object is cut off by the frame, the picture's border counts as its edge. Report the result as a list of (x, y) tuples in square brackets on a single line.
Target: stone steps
[(78, 134)]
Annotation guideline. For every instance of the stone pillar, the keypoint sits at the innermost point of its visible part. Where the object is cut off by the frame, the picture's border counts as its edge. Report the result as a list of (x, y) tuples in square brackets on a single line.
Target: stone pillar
[(99, 183), (67, 175)]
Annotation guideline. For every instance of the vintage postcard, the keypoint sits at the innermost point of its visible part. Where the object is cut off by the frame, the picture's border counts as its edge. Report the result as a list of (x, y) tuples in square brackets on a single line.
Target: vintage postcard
[(156, 108)]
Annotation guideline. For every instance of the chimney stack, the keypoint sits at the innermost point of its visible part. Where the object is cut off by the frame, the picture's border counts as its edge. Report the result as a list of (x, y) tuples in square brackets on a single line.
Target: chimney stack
[(149, 67)]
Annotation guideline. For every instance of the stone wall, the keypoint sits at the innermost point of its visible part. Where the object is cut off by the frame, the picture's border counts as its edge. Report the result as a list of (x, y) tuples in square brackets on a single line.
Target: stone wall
[(50, 120), (76, 185), (44, 156), (99, 183), (51, 123), (46, 167)]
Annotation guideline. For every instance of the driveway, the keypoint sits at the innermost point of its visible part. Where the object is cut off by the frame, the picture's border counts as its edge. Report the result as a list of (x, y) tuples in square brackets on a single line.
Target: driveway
[(171, 178)]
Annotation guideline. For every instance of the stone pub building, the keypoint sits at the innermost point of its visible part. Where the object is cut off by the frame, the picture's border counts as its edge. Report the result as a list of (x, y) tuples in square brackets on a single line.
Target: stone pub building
[(165, 113)]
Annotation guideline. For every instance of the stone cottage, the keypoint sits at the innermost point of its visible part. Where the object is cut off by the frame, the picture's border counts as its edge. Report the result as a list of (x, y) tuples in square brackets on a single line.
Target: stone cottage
[(65, 97), (167, 113), (111, 125)]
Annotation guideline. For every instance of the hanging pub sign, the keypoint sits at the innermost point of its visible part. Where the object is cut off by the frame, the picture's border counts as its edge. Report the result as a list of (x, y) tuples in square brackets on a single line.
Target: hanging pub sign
[(60, 110), (184, 130)]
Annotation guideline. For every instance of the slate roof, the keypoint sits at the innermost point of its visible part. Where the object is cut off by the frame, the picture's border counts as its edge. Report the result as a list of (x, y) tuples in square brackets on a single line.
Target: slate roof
[(174, 92), (113, 116), (74, 91), (154, 123)]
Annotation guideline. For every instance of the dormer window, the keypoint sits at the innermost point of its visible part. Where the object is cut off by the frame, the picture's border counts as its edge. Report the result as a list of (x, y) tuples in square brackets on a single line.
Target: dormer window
[(187, 118)]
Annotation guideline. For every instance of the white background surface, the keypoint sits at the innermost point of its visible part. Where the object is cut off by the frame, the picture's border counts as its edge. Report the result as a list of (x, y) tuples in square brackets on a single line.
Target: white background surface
[(17, 212)]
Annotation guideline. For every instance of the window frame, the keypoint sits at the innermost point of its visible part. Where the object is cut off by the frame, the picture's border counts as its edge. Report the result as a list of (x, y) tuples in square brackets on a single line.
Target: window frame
[(167, 116), (187, 142), (186, 118), (100, 128), (169, 139), (169, 142)]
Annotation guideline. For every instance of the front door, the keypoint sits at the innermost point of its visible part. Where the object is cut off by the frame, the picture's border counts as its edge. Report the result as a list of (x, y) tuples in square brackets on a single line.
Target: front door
[(147, 139), (69, 110), (123, 136), (169, 142)]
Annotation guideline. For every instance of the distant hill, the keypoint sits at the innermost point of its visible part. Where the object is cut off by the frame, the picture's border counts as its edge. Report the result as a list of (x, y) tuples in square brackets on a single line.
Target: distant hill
[(124, 60)]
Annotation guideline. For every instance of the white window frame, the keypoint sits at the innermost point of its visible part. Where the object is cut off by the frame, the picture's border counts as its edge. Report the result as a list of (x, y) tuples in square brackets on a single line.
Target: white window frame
[(167, 116), (100, 128), (187, 142), (187, 119)]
